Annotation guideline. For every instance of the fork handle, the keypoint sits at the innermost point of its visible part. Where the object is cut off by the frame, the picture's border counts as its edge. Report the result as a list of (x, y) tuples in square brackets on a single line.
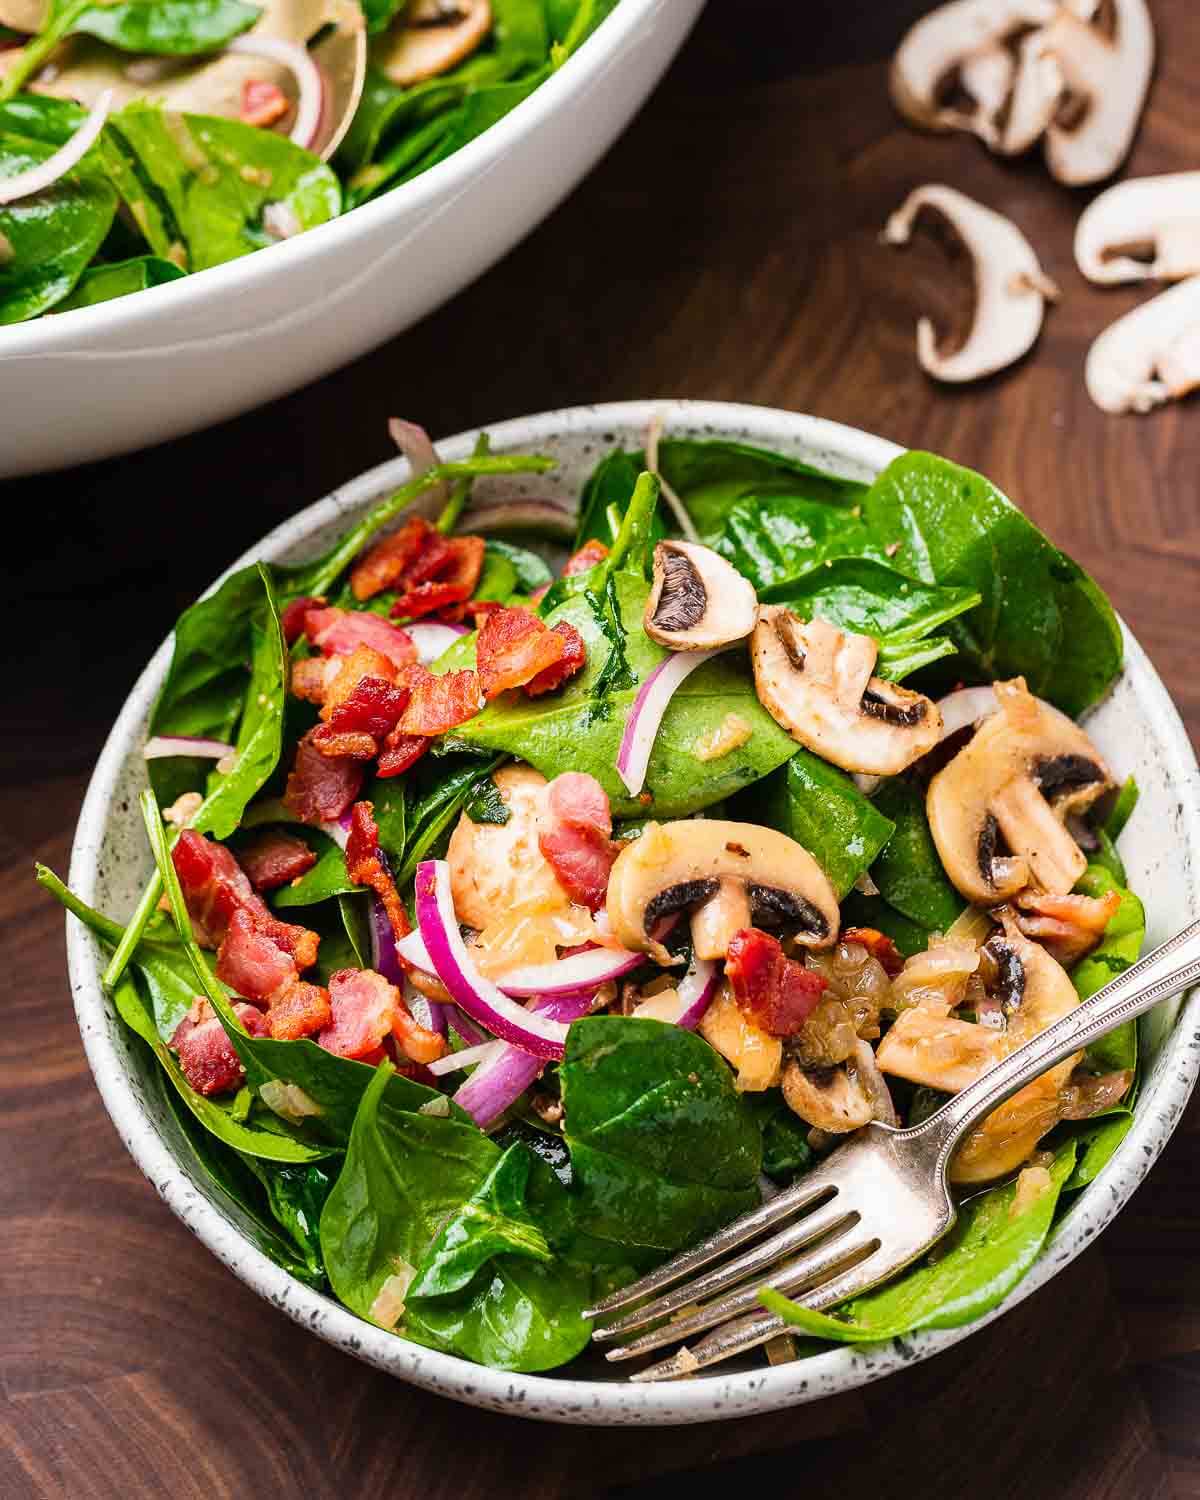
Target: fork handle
[(1165, 972)]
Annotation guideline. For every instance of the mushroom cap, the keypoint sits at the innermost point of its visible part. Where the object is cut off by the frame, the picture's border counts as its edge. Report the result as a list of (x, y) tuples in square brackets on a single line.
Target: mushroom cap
[(698, 601), (428, 37), (1146, 358), (674, 866), (1145, 229), (1026, 766), (815, 681)]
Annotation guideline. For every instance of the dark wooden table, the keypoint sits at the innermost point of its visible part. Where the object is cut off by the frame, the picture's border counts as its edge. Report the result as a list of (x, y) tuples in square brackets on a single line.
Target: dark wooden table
[(726, 248)]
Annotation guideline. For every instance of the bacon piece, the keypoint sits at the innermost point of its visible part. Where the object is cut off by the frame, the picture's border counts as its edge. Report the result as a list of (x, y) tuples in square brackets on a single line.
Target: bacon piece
[(878, 946), (345, 744), (263, 103), (366, 864), (578, 844), (363, 661), (310, 678), (425, 598), (215, 887), (320, 789), (400, 751), (274, 858), (387, 560), (417, 1041), (363, 1005), (250, 963), (373, 706), (571, 661), (434, 557), (513, 647), (206, 1055), (585, 559), (441, 703), (293, 619), (481, 609), (774, 992), (1068, 927), (338, 632), (298, 1009), (465, 562)]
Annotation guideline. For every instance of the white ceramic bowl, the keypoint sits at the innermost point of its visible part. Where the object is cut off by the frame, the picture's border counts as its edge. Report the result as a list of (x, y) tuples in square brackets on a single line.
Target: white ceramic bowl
[(102, 380), (1137, 728)]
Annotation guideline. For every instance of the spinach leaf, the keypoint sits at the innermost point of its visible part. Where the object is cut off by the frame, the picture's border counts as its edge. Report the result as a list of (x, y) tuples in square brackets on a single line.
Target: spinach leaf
[(216, 176), (571, 22), (439, 793), (663, 1149), (991, 1249), (786, 1152), (356, 923), (908, 872), (1096, 1144), (486, 805), (870, 598), (48, 238), (900, 659), (104, 283), (609, 486), (327, 878), (1120, 947), (41, 117), (821, 808), (1109, 829), (498, 580), (169, 28), (870, 911), (1042, 617), (531, 571), (296, 1197)]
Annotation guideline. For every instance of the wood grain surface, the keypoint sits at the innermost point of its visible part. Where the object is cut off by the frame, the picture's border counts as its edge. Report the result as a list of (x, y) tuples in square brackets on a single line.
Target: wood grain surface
[(727, 248)]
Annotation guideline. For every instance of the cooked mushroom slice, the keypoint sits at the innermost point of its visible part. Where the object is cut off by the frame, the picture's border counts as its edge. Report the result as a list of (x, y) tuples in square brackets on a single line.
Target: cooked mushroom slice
[(680, 866), (839, 1099), (1147, 229), (429, 37), (815, 681), (997, 810), (1011, 289), (961, 50), (1151, 355), (698, 601)]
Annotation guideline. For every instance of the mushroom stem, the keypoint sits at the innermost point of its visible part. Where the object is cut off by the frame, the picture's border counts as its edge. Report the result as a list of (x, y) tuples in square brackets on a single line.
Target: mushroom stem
[(715, 922)]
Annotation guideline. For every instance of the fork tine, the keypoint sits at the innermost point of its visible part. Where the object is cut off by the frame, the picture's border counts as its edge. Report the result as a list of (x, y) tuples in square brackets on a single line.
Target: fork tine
[(746, 1333), (804, 1194), (820, 1265), (804, 1231)]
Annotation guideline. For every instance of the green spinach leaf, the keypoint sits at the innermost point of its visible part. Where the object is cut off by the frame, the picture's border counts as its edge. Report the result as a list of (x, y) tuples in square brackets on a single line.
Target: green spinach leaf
[(486, 805), (168, 28), (326, 879), (908, 872), (104, 283), (1120, 947)]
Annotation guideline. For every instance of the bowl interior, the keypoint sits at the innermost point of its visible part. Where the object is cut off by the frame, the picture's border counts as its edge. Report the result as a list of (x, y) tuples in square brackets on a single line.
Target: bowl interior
[(1137, 728)]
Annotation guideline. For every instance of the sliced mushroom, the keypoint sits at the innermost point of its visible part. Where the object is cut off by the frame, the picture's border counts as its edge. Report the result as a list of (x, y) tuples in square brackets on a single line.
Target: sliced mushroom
[(1038, 87), (839, 1099), (429, 37), (27, 16), (1147, 229), (1011, 289), (1151, 355), (997, 810), (815, 681), (680, 866), (699, 601)]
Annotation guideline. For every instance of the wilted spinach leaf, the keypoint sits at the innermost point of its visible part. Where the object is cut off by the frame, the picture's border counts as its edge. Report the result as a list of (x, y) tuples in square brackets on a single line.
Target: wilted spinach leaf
[(169, 28), (908, 872), (103, 283), (486, 805)]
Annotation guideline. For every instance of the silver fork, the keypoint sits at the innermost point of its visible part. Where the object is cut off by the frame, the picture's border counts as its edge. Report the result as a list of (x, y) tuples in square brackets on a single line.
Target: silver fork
[(871, 1208)]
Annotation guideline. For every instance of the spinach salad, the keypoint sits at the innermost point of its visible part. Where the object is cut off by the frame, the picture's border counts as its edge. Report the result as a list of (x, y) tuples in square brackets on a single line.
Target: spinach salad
[(141, 140), (518, 922)]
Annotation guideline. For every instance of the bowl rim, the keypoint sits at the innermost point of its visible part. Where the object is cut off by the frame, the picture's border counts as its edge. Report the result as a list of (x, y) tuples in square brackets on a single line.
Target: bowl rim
[(550, 1397), (41, 335)]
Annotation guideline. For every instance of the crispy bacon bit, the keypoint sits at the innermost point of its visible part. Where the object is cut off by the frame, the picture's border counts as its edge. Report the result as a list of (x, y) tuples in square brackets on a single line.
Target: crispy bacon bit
[(578, 844), (373, 706), (274, 858), (363, 661), (297, 1010), (250, 963), (363, 1005), (571, 661), (366, 864), (1068, 927), (465, 562), (480, 609), (206, 1055), (416, 1041), (347, 744), (585, 559), (387, 560), (263, 103), (320, 789), (774, 992), (434, 556), (441, 703), (425, 598), (293, 619), (878, 946), (310, 677), (215, 887), (400, 751), (513, 647), (338, 632)]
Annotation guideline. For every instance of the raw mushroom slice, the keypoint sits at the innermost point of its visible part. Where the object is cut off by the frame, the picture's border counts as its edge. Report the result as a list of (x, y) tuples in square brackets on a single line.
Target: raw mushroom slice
[(699, 601), (83, 68), (1011, 289), (997, 810), (429, 37), (1038, 87), (1151, 355), (680, 866), (815, 681), (1147, 229)]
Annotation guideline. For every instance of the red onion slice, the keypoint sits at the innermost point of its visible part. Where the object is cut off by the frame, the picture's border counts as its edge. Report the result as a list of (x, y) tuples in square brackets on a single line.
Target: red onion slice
[(432, 640), (483, 1001), (649, 706), (384, 958), (37, 178), (500, 1080), (469, 1057), (696, 992), (294, 56), (965, 707), (280, 221), (579, 972), (412, 950), (337, 829), (164, 746)]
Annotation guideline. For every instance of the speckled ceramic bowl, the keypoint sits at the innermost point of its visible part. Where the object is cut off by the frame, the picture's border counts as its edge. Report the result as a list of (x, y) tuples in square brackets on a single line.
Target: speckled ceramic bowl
[(1137, 728)]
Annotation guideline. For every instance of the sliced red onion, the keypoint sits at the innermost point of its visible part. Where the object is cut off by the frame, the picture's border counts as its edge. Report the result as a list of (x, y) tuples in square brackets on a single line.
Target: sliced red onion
[(294, 56), (500, 1080), (482, 1000), (384, 959), (37, 178), (431, 640), (425, 1012), (412, 950), (280, 221), (469, 1057), (696, 992), (582, 971), (163, 746), (641, 728), (966, 707), (546, 517), (678, 509), (463, 1024), (337, 829)]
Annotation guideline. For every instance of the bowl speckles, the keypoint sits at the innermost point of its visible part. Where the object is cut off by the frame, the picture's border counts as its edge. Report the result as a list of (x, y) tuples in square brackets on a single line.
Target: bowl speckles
[(1137, 728)]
